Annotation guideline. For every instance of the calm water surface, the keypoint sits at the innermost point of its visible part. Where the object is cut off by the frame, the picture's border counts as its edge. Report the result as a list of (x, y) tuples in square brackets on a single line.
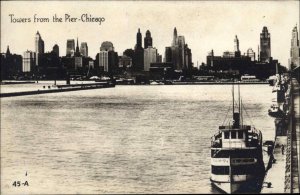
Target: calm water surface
[(128, 139)]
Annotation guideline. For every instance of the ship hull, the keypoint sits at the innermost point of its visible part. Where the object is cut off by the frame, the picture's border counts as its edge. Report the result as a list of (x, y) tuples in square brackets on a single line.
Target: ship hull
[(278, 114), (249, 186)]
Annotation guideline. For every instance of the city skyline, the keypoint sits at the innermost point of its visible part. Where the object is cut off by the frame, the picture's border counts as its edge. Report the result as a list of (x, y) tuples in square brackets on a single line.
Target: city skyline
[(202, 32)]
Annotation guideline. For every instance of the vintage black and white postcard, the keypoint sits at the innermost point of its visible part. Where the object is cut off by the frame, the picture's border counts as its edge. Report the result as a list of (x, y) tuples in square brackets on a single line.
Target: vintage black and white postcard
[(148, 97)]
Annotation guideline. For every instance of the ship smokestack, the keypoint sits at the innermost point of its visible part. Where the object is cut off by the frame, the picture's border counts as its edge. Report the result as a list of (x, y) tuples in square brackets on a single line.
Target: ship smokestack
[(236, 120)]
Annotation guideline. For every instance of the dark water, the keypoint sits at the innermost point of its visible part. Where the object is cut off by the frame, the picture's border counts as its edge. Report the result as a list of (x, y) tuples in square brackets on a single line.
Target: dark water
[(128, 139)]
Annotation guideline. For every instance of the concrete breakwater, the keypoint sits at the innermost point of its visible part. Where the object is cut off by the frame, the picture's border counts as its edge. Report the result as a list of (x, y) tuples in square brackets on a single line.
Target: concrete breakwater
[(61, 88)]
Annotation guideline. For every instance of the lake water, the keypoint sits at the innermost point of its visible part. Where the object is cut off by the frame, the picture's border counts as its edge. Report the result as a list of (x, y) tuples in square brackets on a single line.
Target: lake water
[(127, 139)]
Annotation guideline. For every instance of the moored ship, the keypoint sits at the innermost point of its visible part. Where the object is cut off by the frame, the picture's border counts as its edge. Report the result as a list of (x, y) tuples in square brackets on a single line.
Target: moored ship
[(236, 156)]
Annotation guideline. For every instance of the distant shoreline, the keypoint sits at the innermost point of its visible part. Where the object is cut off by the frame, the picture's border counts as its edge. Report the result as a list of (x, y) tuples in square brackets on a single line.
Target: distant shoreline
[(161, 83)]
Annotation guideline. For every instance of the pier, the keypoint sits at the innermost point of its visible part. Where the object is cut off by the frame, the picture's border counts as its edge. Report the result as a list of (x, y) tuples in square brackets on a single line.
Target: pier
[(61, 88), (283, 174)]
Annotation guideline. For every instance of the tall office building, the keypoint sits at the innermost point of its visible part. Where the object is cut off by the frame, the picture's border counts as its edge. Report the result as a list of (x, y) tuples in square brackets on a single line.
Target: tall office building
[(237, 52), (251, 54), (138, 58), (294, 61), (28, 61), (150, 56), (108, 58), (265, 45), (39, 47), (147, 40), (70, 47), (178, 53), (55, 50), (175, 41), (78, 57), (188, 57), (168, 54), (84, 49)]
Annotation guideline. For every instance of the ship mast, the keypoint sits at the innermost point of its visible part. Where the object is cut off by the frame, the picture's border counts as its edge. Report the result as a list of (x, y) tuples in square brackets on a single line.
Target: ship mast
[(240, 109), (233, 100)]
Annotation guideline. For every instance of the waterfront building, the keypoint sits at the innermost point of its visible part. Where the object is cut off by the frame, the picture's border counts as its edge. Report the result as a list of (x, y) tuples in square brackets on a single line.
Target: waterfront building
[(108, 58), (161, 70), (147, 40), (125, 61), (28, 61), (181, 56), (179, 53), (11, 65), (39, 47), (294, 60), (251, 54), (265, 45), (70, 47), (55, 50), (138, 58), (150, 56), (103, 60), (84, 49)]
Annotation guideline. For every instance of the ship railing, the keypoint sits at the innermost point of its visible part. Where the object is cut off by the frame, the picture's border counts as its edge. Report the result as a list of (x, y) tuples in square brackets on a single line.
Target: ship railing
[(231, 127)]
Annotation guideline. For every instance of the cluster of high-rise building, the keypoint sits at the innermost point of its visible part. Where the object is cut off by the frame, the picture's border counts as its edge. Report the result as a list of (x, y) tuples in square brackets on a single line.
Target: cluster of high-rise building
[(237, 64), (142, 58), (179, 54)]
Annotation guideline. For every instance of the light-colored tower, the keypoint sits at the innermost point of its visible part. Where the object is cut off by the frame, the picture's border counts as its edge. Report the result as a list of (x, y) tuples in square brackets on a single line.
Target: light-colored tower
[(294, 61), (39, 47), (84, 49), (70, 47)]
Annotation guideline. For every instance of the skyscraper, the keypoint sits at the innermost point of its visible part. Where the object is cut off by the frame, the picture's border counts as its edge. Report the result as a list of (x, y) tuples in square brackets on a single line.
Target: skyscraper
[(251, 54), (147, 40), (174, 42), (168, 54), (78, 57), (77, 52), (294, 61), (265, 45), (150, 55), (139, 39), (108, 58), (28, 61), (55, 50), (178, 52), (237, 52), (70, 47), (181, 56), (84, 49), (138, 58), (39, 47), (188, 57)]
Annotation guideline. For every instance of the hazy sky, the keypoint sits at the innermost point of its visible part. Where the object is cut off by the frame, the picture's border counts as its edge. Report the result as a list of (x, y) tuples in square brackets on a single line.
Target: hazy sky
[(205, 25)]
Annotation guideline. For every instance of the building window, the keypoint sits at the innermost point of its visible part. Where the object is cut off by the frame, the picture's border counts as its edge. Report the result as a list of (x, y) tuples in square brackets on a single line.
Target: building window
[(240, 135), (233, 134), (226, 135)]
